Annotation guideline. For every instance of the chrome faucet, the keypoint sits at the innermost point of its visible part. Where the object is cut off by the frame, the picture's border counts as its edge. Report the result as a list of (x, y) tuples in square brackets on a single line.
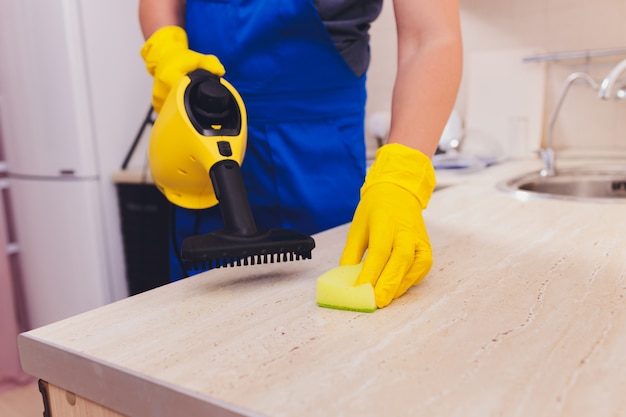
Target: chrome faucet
[(547, 152), (608, 84)]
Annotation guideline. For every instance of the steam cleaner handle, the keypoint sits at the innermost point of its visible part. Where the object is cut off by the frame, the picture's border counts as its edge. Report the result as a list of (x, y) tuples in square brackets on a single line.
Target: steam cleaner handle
[(233, 198)]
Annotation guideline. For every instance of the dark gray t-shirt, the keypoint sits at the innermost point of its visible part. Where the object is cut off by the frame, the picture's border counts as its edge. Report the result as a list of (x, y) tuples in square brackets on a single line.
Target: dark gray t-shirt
[(348, 23)]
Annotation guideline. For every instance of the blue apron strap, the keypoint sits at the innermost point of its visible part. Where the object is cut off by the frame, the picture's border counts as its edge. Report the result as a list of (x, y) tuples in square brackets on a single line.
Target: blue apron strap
[(278, 55)]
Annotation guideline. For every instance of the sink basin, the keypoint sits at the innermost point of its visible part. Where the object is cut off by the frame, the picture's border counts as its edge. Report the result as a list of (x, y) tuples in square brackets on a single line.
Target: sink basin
[(603, 184)]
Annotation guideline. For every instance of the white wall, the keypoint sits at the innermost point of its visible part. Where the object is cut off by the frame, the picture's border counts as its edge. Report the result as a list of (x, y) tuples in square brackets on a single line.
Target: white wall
[(558, 26), (382, 70), (541, 26)]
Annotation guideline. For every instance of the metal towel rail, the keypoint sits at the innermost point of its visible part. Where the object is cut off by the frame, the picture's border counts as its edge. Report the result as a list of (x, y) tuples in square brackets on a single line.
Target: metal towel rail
[(584, 54)]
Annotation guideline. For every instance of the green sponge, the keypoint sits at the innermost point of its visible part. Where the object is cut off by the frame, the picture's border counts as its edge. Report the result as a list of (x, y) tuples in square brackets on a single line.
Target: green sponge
[(335, 289)]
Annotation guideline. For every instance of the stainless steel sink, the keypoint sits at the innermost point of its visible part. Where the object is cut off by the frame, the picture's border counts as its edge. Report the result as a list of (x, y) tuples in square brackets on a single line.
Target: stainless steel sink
[(600, 184)]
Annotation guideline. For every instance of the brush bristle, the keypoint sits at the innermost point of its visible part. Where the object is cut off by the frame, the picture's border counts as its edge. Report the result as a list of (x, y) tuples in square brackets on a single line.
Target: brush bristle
[(248, 260)]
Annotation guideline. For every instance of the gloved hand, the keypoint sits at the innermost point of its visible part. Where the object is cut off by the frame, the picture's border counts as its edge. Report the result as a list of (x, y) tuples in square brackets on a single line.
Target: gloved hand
[(388, 223), (168, 58)]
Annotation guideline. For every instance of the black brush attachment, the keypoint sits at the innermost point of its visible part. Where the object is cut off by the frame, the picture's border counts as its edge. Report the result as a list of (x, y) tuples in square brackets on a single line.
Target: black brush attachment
[(240, 243), (220, 249)]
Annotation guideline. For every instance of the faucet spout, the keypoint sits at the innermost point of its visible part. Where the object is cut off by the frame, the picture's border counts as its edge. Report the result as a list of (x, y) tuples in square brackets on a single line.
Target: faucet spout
[(608, 84), (547, 152)]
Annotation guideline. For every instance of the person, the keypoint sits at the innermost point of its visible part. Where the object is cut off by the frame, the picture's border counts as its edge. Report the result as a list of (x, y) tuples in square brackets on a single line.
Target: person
[(300, 67)]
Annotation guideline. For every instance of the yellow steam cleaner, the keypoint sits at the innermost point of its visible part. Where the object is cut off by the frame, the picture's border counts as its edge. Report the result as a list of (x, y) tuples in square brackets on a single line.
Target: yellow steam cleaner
[(196, 149)]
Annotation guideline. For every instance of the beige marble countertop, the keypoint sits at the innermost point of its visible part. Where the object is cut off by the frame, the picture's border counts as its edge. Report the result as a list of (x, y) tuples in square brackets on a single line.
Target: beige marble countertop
[(523, 314)]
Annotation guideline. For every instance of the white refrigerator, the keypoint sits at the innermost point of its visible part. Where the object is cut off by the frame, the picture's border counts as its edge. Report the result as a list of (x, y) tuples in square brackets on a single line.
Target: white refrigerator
[(73, 93)]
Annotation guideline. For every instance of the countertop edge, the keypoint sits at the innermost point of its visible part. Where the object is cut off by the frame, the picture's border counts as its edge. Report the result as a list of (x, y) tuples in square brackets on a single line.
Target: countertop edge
[(112, 387)]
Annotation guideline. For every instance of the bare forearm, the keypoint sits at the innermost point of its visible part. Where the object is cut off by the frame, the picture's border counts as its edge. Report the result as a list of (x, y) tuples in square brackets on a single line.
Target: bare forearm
[(154, 14), (429, 71)]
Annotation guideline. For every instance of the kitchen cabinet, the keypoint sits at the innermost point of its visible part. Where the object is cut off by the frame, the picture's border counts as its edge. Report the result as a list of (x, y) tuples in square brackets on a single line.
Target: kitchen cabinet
[(522, 314), (67, 404)]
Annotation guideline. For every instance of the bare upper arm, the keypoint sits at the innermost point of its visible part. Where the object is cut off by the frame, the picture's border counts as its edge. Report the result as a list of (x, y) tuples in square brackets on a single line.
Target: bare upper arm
[(155, 14), (421, 21)]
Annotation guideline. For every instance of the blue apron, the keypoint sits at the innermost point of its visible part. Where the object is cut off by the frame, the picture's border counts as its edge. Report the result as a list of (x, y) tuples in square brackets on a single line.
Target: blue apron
[(305, 156)]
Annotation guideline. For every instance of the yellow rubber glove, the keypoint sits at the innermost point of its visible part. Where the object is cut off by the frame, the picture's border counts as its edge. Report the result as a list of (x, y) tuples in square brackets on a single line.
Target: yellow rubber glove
[(388, 223), (168, 58)]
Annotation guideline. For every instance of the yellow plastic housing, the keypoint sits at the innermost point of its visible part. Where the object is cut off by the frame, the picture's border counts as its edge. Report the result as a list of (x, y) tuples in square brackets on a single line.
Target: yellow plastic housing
[(335, 289), (180, 157)]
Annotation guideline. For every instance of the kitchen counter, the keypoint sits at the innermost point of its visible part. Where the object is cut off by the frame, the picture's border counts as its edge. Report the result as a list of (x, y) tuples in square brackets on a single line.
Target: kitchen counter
[(523, 314)]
